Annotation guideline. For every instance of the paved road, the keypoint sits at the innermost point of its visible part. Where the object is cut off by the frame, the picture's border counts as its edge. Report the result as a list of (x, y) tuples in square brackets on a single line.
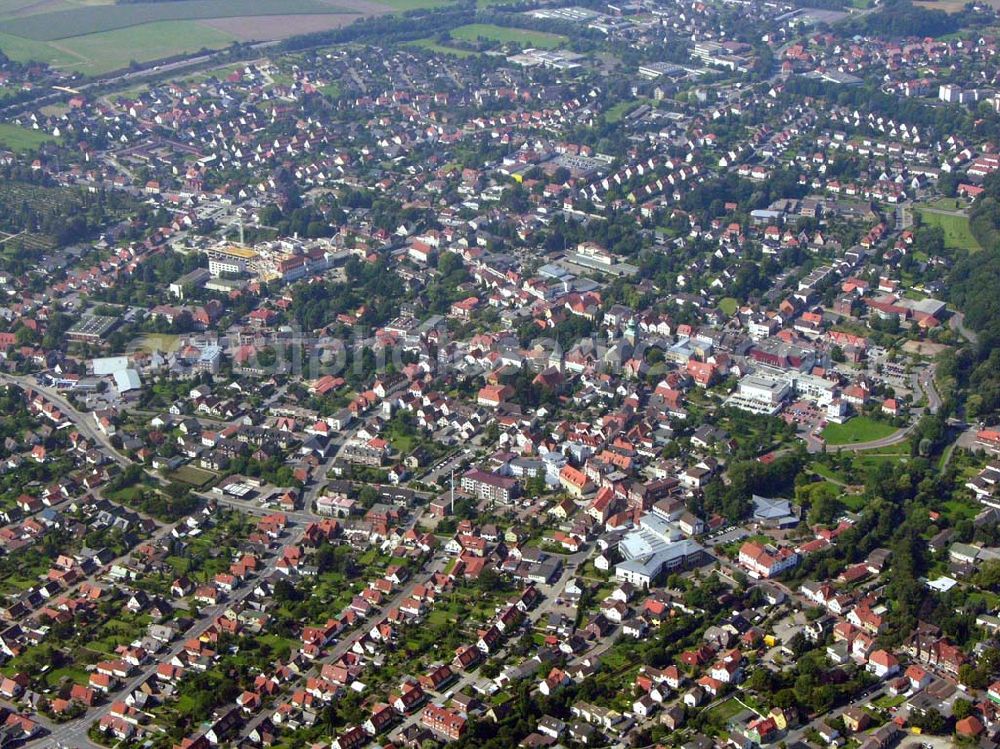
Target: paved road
[(348, 639), (799, 734), (74, 733), (957, 323), (926, 382), (814, 445), (84, 423), (893, 439), (535, 617), (966, 440), (127, 78)]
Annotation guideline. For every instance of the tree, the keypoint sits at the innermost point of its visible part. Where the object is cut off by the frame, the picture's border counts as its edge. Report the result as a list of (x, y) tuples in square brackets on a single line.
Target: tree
[(973, 677), (535, 486), (488, 580), (961, 709), (930, 721), (286, 592), (988, 575), (760, 681)]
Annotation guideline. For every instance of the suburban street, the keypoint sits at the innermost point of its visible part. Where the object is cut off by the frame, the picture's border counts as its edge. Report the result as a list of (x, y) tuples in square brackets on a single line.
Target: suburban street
[(84, 423), (74, 733)]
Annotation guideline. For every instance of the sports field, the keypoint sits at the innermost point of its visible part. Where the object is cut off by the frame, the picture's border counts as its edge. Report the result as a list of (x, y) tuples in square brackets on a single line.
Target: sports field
[(504, 34), (622, 108), (431, 46), (956, 228)]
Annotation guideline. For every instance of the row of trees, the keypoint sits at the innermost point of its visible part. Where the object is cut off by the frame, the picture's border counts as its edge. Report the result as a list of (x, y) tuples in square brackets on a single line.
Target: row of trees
[(388, 29), (972, 286), (901, 18)]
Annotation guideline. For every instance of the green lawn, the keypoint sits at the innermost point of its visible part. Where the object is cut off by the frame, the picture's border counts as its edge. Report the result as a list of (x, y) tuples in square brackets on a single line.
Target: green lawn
[(725, 711), (853, 502), (77, 675), (956, 509), (432, 46), (826, 472), (438, 616), (21, 139), (622, 108), (192, 475), (277, 642), (151, 342), (947, 204), (729, 305), (403, 443), (865, 462), (858, 429), (887, 701), (331, 89), (504, 34), (956, 229)]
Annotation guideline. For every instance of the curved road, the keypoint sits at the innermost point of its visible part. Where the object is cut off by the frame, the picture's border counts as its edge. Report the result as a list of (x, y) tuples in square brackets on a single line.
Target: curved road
[(893, 439), (84, 423), (957, 323), (926, 383)]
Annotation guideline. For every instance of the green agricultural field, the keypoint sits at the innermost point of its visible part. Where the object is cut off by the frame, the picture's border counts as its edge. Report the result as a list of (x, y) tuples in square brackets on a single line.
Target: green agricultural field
[(94, 54), (80, 34), (94, 37), (503, 34), (62, 24), (20, 138), (23, 50), (405, 5), (111, 50), (955, 226), (858, 429)]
